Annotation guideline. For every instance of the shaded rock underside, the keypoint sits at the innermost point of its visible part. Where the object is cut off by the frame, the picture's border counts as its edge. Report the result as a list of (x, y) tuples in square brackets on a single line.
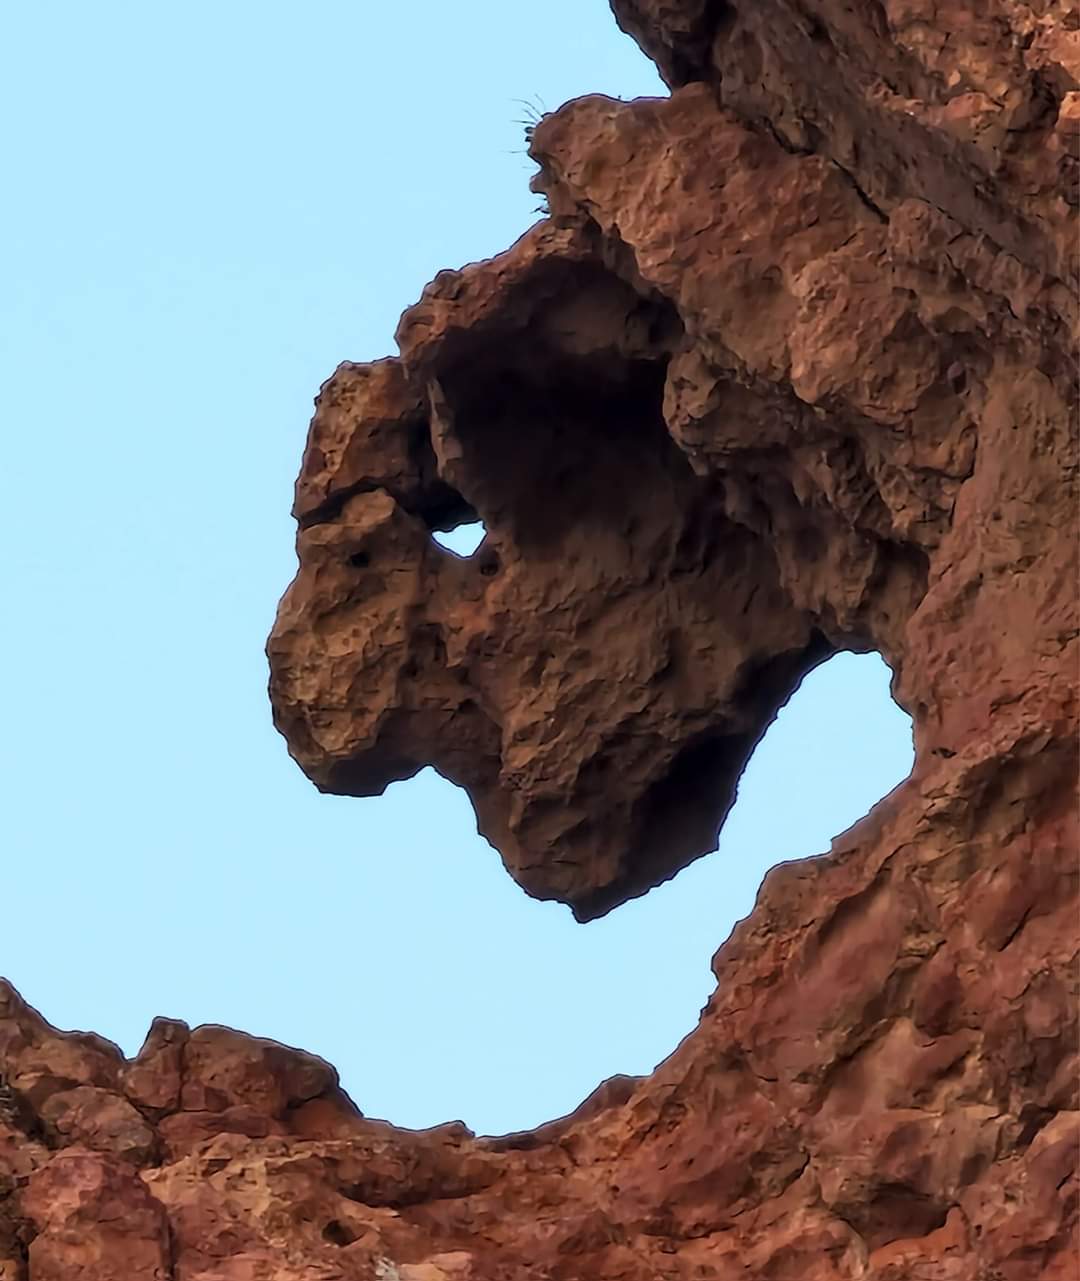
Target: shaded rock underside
[(788, 369)]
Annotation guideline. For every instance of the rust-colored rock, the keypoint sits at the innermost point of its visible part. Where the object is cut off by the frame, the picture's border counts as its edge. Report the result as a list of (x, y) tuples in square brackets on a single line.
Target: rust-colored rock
[(789, 369)]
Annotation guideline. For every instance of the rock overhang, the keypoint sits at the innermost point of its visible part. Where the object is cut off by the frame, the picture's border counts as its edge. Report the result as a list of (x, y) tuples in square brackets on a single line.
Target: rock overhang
[(620, 425), (796, 352)]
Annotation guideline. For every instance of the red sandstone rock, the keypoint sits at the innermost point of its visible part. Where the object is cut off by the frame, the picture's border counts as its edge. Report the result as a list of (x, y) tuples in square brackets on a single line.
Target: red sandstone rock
[(789, 369), (94, 1220), (99, 1120)]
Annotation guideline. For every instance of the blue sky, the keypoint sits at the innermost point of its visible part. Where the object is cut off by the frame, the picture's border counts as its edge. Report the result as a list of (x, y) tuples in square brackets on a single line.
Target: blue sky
[(209, 207)]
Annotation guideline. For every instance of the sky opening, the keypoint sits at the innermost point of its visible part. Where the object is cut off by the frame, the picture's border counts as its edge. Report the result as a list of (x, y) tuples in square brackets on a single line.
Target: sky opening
[(462, 540)]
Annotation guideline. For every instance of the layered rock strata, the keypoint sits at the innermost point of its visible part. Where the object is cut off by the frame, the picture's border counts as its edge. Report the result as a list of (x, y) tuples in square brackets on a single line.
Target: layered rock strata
[(788, 369)]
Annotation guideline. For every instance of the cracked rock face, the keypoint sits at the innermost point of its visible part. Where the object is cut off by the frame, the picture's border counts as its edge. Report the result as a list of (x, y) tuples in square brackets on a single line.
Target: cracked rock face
[(788, 369)]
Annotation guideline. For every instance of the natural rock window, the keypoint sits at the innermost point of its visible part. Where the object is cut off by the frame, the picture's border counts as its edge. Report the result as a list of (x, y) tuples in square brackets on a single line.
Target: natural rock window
[(462, 540), (497, 982), (525, 983)]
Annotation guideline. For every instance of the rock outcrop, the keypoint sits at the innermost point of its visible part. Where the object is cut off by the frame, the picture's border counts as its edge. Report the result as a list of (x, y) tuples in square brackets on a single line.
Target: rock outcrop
[(789, 369)]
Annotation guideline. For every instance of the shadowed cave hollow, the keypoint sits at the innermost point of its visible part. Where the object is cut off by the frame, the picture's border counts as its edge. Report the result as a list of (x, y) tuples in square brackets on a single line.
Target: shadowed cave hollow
[(570, 400)]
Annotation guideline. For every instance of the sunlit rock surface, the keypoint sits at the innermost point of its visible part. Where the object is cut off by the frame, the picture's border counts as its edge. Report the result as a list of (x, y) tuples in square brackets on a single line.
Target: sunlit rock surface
[(788, 369)]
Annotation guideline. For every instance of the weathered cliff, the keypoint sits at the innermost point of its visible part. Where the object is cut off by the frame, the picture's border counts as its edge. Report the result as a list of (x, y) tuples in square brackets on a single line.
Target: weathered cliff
[(788, 369)]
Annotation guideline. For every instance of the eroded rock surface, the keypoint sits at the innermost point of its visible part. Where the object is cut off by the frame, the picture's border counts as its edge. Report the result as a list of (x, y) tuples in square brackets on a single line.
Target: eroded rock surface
[(789, 369)]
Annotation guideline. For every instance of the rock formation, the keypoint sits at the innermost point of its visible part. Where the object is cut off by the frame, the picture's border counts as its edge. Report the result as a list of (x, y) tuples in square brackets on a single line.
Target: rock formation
[(788, 369)]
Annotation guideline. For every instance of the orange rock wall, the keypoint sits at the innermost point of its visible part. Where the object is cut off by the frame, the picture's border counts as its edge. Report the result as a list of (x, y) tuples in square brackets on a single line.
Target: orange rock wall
[(790, 368)]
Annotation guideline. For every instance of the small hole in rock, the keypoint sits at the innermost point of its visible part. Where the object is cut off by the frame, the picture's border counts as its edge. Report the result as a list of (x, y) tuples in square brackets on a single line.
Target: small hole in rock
[(463, 540), (338, 1234), (360, 560)]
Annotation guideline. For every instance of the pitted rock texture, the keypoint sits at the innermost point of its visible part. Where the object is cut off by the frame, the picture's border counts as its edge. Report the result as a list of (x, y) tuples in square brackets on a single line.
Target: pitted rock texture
[(723, 414), (788, 369)]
